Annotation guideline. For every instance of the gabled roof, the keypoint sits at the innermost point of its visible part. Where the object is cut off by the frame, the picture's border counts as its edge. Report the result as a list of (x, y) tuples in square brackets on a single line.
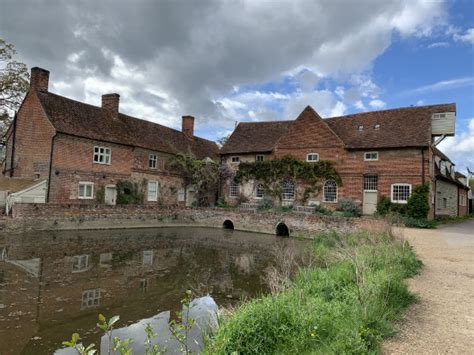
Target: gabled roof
[(84, 120), (440, 154), (255, 137), (395, 128), (401, 127)]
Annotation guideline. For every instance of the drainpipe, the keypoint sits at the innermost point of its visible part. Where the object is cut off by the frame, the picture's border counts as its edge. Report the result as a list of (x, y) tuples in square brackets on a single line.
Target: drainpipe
[(50, 167), (12, 162)]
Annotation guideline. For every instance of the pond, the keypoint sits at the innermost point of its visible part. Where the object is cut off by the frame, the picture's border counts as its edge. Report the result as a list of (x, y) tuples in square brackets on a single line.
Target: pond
[(53, 284)]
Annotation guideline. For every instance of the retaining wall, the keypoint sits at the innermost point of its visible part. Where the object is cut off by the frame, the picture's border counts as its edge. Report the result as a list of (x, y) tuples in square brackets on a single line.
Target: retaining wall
[(64, 217)]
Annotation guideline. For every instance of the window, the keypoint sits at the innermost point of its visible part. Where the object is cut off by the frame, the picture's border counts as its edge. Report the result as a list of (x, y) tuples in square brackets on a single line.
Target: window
[(438, 116), (102, 155), (152, 161), (259, 157), (80, 263), (105, 259), (330, 191), (259, 191), (152, 191), (370, 182), (288, 190), (368, 156), (181, 195), (86, 190), (235, 159), (234, 189), (401, 193), (144, 285), (147, 257), (312, 157), (377, 126), (361, 128), (91, 298)]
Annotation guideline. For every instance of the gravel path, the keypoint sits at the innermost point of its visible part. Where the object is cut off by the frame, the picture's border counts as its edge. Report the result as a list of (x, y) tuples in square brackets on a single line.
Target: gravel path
[(442, 322)]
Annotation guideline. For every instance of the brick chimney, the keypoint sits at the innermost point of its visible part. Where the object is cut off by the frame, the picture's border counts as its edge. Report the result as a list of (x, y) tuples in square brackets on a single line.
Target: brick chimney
[(110, 102), (39, 79), (188, 126)]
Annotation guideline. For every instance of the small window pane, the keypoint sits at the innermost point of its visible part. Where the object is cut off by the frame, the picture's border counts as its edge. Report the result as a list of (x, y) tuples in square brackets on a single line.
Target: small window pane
[(312, 157), (259, 191), (400, 193), (234, 189), (330, 191), (259, 157), (370, 183), (288, 189)]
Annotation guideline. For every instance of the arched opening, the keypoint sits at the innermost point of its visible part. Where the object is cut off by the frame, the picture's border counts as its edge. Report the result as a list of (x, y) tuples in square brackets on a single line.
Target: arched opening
[(228, 224), (282, 230)]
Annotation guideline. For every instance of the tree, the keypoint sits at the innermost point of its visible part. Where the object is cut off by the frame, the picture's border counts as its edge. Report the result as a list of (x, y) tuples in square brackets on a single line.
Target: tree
[(14, 83), (202, 174)]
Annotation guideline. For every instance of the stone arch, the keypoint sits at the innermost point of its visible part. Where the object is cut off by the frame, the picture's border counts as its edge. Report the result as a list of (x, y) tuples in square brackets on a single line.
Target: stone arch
[(282, 230), (228, 224)]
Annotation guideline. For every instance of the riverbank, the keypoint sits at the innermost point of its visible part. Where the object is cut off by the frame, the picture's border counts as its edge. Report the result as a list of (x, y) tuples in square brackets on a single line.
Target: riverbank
[(81, 217), (346, 302)]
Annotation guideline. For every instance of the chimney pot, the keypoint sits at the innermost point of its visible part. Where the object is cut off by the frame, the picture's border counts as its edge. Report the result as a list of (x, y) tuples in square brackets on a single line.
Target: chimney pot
[(188, 126), (110, 102), (39, 79)]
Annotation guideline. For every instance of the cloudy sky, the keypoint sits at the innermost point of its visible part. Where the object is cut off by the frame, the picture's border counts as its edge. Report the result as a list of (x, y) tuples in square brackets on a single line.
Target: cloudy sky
[(226, 61)]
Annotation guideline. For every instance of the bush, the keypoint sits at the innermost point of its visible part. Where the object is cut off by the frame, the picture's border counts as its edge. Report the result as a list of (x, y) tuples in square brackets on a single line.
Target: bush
[(347, 306), (419, 223), (383, 205), (418, 204), (129, 193), (265, 204), (318, 209), (349, 207)]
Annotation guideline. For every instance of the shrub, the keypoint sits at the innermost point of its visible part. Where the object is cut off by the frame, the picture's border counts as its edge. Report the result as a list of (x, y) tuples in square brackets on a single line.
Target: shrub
[(418, 204), (318, 209), (399, 208), (265, 204), (419, 223), (349, 207), (129, 193), (383, 205)]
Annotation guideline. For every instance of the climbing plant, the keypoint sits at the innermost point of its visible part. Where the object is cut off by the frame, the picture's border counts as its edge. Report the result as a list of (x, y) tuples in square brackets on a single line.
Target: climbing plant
[(272, 172), (129, 192), (203, 175)]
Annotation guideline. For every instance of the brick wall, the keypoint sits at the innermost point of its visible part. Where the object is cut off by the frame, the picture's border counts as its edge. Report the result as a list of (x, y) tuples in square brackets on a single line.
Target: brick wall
[(60, 216), (32, 140)]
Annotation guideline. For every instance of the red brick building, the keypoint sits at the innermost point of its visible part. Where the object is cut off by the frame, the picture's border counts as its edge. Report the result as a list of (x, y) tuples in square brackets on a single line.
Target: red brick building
[(381, 153), (82, 151)]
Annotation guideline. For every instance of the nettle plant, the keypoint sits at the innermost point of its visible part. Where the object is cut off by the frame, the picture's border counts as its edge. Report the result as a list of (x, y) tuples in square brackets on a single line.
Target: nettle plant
[(271, 173)]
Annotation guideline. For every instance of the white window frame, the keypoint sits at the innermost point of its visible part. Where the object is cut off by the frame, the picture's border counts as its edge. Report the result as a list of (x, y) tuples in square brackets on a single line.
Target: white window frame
[(104, 152), (333, 183), (371, 159), (80, 263), (155, 197), (235, 159), (147, 257), (91, 298), (152, 161), (234, 189), (259, 157), (85, 196), (105, 258), (286, 193), (371, 183), (259, 187), (392, 193), (311, 155)]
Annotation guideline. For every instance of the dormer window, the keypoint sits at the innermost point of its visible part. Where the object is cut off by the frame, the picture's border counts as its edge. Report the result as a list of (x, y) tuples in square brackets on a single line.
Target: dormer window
[(259, 157), (361, 128), (377, 126), (371, 156), (312, 157), (442, 167), (235, 159)]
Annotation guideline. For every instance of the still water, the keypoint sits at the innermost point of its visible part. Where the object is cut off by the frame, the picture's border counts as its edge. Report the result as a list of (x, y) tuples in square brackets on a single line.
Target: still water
[(53, 284)]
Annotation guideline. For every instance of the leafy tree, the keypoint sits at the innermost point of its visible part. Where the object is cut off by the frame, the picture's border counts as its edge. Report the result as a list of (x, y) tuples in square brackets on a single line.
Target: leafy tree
[(14, 83), (202, 174)]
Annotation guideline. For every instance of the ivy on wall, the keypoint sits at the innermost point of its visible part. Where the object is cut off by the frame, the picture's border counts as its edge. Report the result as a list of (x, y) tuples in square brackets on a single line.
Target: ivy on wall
[(129, 192), (271, 173)]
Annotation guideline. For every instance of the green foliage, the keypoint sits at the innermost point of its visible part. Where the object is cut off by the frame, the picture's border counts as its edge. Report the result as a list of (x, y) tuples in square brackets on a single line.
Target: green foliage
[(202, 174), (349, 207), (272, 172), (14, 83), (419, 223), (346, 306), (319, 209), (265, 204), (383, 205), (100, 195), (129, 193), (418, 204), (283, 209)]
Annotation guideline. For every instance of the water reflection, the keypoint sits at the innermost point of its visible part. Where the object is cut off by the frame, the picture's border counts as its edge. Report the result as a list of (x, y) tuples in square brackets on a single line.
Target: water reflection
[(53, 284)]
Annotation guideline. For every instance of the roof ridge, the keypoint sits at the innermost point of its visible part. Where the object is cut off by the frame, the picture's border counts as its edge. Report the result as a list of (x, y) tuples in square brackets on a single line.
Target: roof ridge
[(390, 109), (273, 121)]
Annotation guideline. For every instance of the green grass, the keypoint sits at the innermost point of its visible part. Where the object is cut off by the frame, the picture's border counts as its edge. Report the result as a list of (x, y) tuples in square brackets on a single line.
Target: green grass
[(345, 302)]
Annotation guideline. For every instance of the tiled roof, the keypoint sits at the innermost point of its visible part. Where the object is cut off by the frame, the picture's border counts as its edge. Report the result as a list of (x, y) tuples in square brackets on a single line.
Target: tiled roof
[(83, 120), (401, 127), (440, 154), (255, 137), (394, 128)]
